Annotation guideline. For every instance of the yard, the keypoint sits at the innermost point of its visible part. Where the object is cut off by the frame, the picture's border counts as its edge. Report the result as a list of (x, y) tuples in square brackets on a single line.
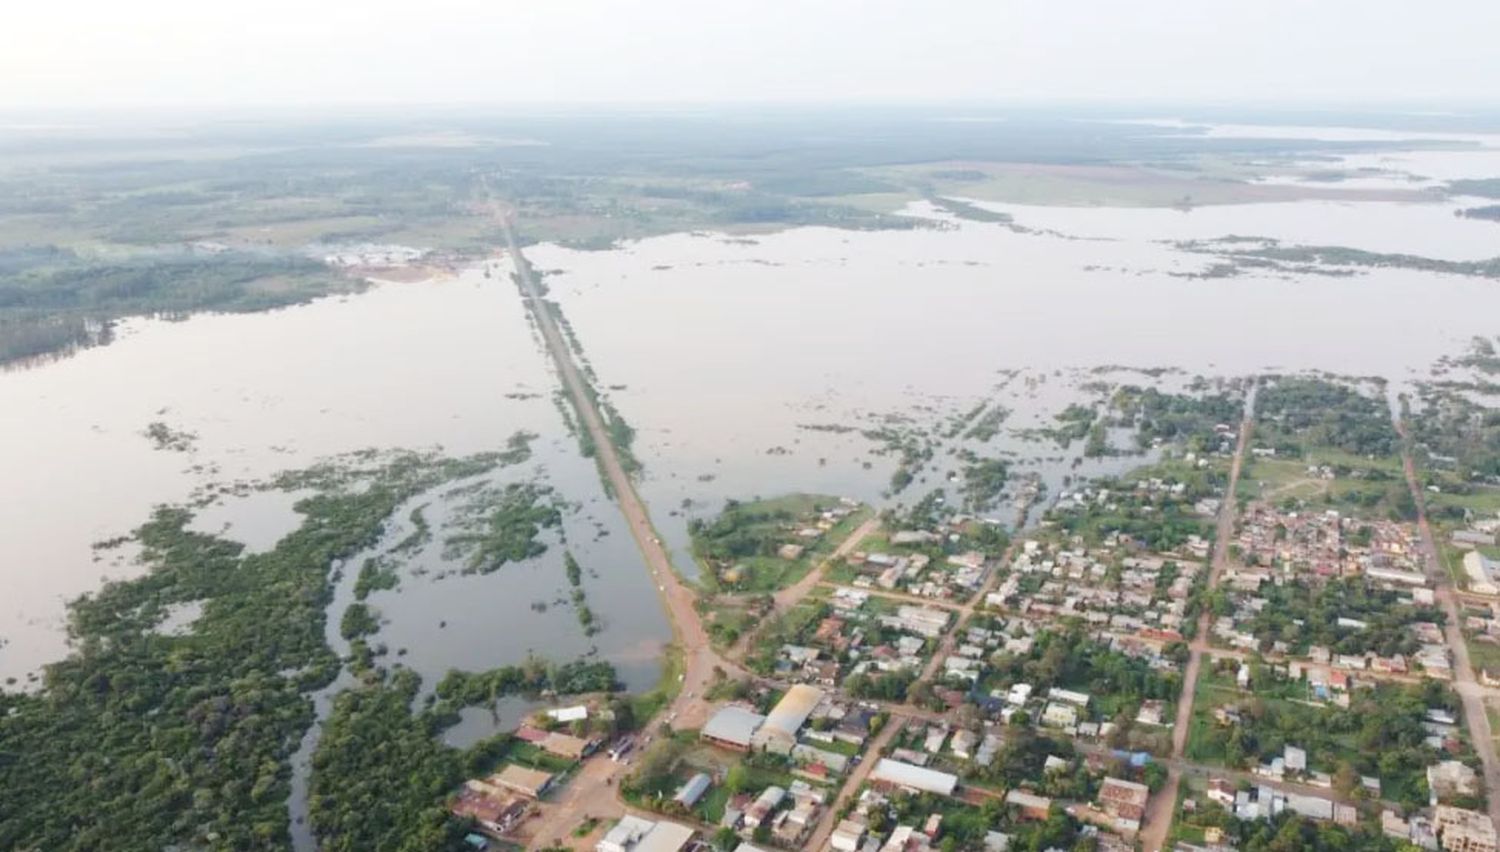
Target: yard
[(764, 546)]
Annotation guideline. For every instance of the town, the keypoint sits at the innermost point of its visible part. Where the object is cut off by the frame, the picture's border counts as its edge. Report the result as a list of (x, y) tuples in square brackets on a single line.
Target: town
[(1152, 666)]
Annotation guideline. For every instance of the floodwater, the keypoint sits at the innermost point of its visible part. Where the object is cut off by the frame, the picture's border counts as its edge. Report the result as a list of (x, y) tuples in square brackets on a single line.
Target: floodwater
[(448, 364), (749, 367), (734, 343)]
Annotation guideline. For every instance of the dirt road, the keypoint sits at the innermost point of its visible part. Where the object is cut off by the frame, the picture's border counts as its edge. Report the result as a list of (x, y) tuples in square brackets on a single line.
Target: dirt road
[(1159, 810), (1464, 682), (792, 595), (590, 793), (829, 821)]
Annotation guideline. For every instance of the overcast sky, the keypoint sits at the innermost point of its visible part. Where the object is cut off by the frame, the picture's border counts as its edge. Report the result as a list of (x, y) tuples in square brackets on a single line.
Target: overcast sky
[(73, 53)]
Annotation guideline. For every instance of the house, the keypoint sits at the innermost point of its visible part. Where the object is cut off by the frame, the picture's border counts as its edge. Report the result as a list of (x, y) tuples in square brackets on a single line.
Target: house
[(1450, 779), (1464, 831), (568, 715), (995, 841), (848, 836), (689, 794), (963, 744), (566, 746), (778, 733), (531, 783), (496, 810), (1125, 802), (1060, 715), (1481, 571), (732, 727), (933, 825), (634, 834), (915, 778), (1473, 538), (1068, 696), (808, 755), (1030, 805), (1152, 713), (1295, 759), (936, 736), (1019, 694), (1221, 791), (1392, 825), (755, 816)]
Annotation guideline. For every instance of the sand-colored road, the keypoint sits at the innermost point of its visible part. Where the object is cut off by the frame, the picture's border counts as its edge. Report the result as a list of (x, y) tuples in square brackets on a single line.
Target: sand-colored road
[(591, 793), (829, 821), (1464, 682), (792, 595), (1159, 810)]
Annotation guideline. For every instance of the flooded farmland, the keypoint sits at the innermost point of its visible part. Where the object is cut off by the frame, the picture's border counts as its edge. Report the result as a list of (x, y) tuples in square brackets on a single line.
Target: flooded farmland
[(449, 364), (735, 346), (749, 366)]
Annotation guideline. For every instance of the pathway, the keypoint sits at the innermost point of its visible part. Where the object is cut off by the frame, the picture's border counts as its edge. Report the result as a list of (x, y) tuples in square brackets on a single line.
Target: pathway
[(1464, 682), (1159, 811)]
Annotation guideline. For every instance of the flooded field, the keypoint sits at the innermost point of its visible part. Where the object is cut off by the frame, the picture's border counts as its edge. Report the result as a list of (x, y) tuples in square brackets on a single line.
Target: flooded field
[(878, 365), (813, 360), (734, 347), (448, 364)]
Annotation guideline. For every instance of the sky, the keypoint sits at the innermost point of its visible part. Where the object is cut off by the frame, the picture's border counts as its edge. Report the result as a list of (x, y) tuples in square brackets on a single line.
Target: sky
[(216, 53)]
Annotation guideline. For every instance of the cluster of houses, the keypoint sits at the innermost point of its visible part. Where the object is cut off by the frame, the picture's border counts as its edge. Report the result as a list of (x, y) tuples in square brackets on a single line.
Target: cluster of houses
[(1449, 828), (802, 726), (981, 641), (1063, 709), (1111, 819), (374, 255), (854, 832), (942, 742), (1278, 547), (802, 534), (788, 813), (499, 803), (1265, 802), (953, 577), (1330, 678), (1480, 532), (1330, 544), (1116, 593), (1147, 494), (858, 639)]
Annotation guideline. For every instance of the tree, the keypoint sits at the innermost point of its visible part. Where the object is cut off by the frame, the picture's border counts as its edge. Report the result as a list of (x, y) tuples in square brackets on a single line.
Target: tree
[(725, 839), (736, 779), (1345, 779)]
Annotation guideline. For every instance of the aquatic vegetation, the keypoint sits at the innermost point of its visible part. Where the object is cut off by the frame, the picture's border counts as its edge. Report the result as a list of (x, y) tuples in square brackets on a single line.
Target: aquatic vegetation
[(164, 437), (500, 524), (375, 574), (987, 426), (187, 739)]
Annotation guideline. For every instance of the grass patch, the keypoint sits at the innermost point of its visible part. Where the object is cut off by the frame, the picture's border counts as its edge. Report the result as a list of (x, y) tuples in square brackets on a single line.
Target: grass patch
[(646, 705)]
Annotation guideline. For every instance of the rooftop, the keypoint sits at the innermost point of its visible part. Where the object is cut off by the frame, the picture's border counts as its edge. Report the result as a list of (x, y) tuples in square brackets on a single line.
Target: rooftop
[(733, 724)]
